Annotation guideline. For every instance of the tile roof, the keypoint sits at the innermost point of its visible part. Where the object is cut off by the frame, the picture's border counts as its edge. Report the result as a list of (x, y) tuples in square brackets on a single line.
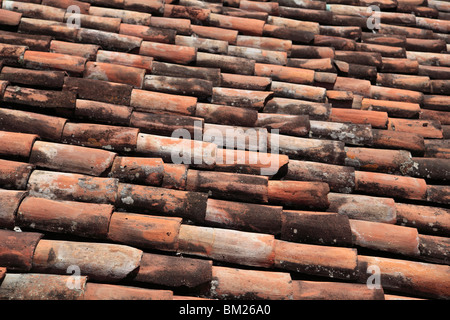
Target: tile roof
[(113, 161)]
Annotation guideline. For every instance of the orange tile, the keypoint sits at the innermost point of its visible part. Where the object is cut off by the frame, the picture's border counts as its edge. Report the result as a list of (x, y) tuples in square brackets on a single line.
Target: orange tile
[(14, 175), (425, 128), (299, 194), (115, 73), (10, 201), (100, 291), (168, 52), (427, 219), (17, 249), (68, 158), (101, 262), (318, 290), (149, 171), (126, 59), (88, 220), (16, 144), (102, 112), (251, 27), (145, 231)]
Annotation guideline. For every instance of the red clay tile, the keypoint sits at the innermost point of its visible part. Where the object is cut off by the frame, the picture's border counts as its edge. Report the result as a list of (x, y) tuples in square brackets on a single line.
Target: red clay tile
[(227, 245), (395, 65), (126, 16), (202, 44), (50, 79), (410, 32), (434, 249), (57, 30), (229, 186), (231, 283), (440, 116), (306, 27), (312, 52), (437, 148), (382, 184), (264, 43), (339, 178), (164, 124), (228, 64), (33, 10), (115, 73), (323, 64), (185, 204), (145, 231), (350, 32), (63, 157), (318, 290), (428, 45), (175, 70), (288, 74), (64, 4), (101, 136), (244, 216), (322, 228), (298, 91), (40, 98), (168, 52), (357, 86), (34, 286), (393, 108), (33, 42), (435, 102), (16, 144), (195, 14), (215, 33), (377, 119), (425, 128), (157, 35), (49, 60), (299, 194), (417, 278), (383, 39), (98, 90), (259, 55), (14, 175), (109, 40), (349, 133), (251, 27), (173, 271), (269, 7), (316, 111), (44, 126), (148, 171), (226, 115), (240, 98), (340, 263), (362, 58), (238, 81), (241, 13), (431, 168), (182, 26), (311, 149), (337, 43), (176, 85), (10, 201), (429, 58), (12, 54), (380, 160), (175, 150), (76, 218), (434, 72), (95, 22), (86, 51), (213, 7), (102, 112), (287, 33), (294, 125), (102, 262), (175, 176), (438, 194), (163, 103), (100, 291), (408, 82), (440, 87), (398, 140), (10, 18), (154, 6), (385, 237), (72, 187), (126, 59), (17, 248), (363, 207)]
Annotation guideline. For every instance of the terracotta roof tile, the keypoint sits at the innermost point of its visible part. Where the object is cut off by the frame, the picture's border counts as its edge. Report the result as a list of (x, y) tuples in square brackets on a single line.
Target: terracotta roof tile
[(281, 137)]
